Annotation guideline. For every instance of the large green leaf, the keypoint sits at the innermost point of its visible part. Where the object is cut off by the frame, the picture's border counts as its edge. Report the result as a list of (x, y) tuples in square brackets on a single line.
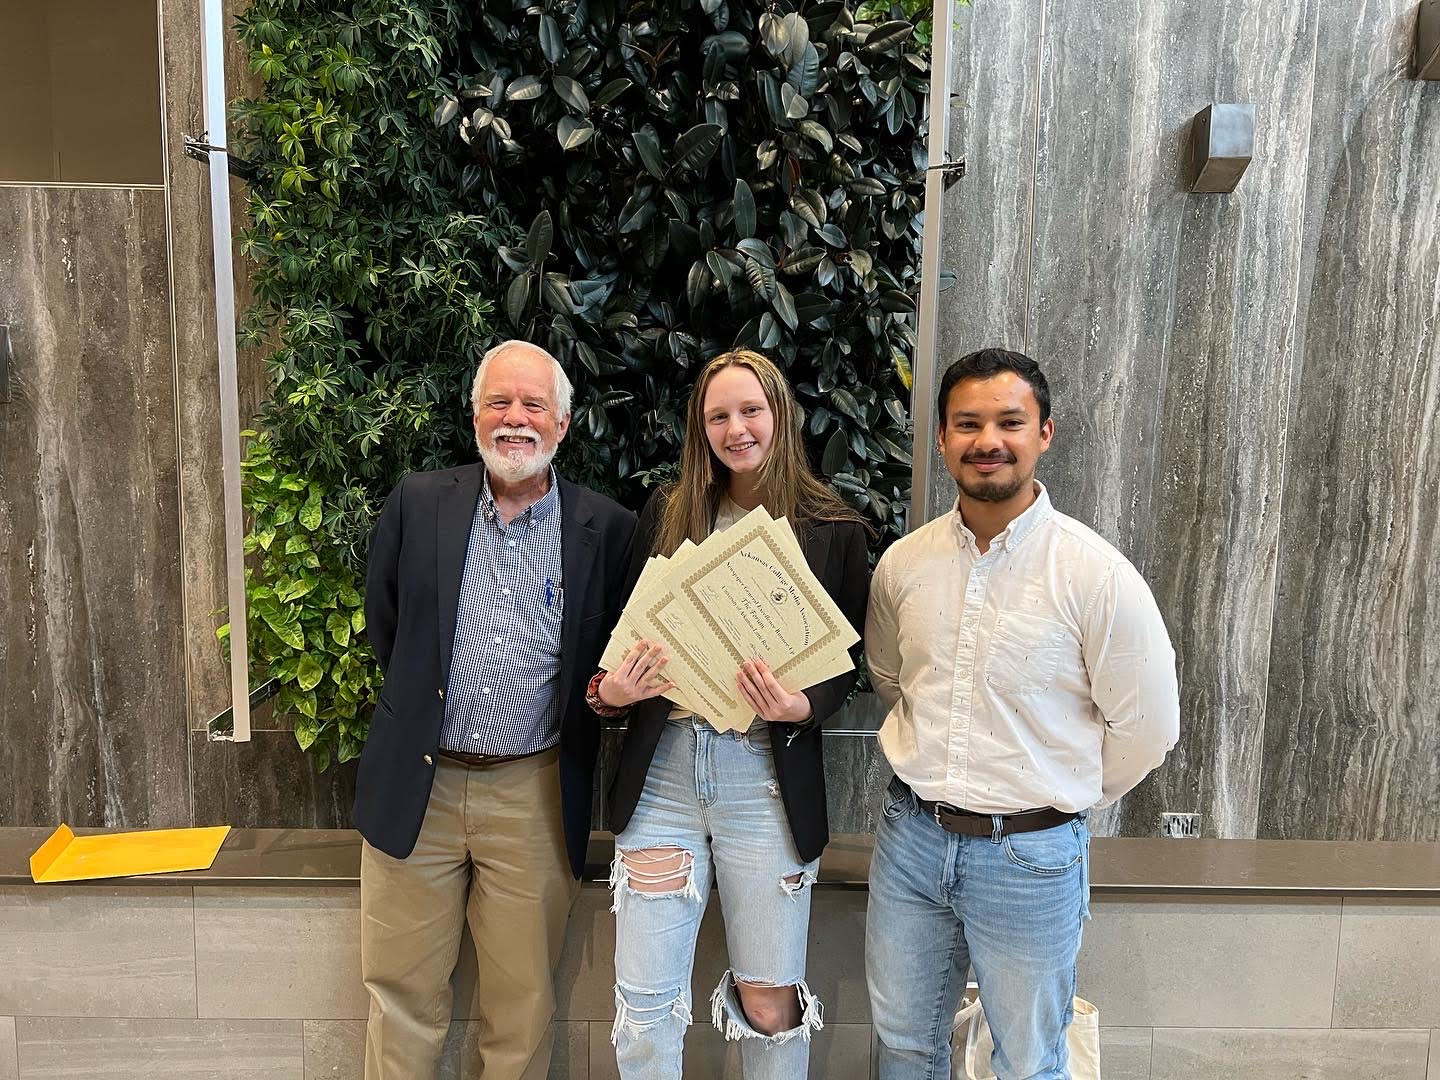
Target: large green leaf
[(744, 209), (612, 90), (310, 672), (445, 111), (570, 92), (525, 88), (784, 306), (695, 148), (816, 133), (888, 36), (552, 42), (636, 214), (517, 298), (836, 453), (573, 132), (540, 238), (648, 147)]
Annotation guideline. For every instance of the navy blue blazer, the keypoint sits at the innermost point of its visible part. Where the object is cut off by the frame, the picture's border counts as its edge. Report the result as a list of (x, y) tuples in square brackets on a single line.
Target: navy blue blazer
[(417, 557)]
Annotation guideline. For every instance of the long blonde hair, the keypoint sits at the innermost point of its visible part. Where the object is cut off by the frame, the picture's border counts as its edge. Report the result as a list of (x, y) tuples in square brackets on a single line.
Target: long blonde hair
[(787, 486)]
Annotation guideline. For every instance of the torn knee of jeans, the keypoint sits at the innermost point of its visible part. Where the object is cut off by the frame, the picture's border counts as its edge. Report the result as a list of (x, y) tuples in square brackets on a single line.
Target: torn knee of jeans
[(663, 871), (773, 786), (728, 1015), (793, 885), (637, 1009)]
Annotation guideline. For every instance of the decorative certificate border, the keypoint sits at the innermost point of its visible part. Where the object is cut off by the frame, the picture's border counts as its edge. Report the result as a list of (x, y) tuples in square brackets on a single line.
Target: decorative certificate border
[(800, 581)]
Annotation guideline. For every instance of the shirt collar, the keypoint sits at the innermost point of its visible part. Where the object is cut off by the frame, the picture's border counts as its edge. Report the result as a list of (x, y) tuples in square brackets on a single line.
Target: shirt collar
[(533, 514), (1019, 528)]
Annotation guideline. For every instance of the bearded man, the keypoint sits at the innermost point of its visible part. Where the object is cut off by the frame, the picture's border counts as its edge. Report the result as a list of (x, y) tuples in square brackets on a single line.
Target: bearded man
[(1029, 678), (491, 592)]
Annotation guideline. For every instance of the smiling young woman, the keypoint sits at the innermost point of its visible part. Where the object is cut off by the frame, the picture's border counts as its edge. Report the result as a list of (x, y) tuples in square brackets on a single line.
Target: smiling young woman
[(691, 805)]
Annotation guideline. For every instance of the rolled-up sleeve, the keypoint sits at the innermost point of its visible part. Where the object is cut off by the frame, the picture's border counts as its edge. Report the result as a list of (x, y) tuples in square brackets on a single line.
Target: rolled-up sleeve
[(1131, 664)]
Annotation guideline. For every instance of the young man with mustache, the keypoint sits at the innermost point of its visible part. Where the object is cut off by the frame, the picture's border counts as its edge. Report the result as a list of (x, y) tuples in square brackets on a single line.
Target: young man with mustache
[(491, 592), (1029, 678)]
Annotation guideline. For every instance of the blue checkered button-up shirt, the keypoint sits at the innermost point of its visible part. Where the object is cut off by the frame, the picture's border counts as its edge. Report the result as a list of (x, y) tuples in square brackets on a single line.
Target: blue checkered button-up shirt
[(505, 666)]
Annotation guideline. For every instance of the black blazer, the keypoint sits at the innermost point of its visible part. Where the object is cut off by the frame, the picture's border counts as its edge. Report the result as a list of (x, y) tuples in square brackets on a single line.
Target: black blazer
[(417, 556), (837, 556)]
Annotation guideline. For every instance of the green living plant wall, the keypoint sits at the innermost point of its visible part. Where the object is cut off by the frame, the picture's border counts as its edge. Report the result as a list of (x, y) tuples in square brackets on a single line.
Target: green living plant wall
[(700, 174), (687, 175)]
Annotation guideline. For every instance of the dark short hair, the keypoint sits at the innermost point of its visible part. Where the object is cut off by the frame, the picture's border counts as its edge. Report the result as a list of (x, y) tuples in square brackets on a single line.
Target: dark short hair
[(986, 364)]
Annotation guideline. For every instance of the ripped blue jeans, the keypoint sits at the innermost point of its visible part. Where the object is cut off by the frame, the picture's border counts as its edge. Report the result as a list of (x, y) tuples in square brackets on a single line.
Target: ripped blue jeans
[(710, 812)]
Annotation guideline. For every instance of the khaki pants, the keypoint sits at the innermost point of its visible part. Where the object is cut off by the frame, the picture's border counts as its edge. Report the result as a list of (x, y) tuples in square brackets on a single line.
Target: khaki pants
[(492, 848)]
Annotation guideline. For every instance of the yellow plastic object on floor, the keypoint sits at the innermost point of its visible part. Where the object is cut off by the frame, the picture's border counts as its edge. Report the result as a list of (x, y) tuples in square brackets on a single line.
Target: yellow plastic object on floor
[(67, 857)]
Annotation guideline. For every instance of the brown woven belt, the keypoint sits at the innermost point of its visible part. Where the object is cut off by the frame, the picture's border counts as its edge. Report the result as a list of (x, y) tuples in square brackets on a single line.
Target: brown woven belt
[(481, 761), (969, 823)]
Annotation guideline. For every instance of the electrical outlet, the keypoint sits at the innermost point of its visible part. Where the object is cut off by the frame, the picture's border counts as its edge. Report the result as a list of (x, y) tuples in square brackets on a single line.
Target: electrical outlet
[(1179, 825)]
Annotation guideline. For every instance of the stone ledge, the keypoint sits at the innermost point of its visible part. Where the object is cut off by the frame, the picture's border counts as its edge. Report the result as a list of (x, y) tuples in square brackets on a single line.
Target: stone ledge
[(1121, 865)]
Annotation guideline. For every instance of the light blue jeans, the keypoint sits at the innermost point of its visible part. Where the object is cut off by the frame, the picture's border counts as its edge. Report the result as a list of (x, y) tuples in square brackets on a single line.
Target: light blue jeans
[(714, 797), (1012, 907)]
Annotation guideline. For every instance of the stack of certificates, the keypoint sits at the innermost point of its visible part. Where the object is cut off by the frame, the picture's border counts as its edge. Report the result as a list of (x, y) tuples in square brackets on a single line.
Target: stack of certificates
[(744, 594)]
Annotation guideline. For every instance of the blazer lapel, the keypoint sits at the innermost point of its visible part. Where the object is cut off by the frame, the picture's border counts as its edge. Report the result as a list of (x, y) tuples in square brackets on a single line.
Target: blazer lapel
[(577, 553), (815, 542), (454, 513)]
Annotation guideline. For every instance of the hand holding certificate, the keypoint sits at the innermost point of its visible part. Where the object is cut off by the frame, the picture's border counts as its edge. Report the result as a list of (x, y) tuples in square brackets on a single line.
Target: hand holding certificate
[(746, 593)]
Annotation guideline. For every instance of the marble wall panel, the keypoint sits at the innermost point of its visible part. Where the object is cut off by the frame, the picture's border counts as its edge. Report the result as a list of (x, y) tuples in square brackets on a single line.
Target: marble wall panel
[(1352, 736), (91, 658), (268, 782), (1269, 962), (334, 1049), (986, 240), (63, 1048), (1388, 973), (1125, 1053), (279, 954), (1165, 318), (1203, 1053), (988, 213), (201, 494), (856, 774), (9, 1061), (97, 951)]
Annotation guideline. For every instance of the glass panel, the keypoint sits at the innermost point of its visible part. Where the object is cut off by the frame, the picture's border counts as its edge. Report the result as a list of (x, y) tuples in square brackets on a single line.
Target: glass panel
[(80, 92)]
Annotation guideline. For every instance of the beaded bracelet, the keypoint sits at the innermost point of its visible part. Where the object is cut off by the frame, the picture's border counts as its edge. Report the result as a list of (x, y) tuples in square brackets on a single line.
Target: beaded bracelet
[(598, 707)]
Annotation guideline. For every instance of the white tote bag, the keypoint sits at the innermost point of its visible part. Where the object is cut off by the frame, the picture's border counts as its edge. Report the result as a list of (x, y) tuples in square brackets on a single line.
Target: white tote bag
[(971, 1059)]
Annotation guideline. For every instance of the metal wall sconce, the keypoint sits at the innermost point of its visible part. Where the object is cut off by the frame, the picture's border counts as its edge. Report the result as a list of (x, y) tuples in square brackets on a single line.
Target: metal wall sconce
[(1427, 41), (1222, 142)]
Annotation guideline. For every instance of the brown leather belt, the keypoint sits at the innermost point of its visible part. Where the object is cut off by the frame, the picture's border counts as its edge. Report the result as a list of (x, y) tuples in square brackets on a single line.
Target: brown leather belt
[(480, 761), (969, 823)]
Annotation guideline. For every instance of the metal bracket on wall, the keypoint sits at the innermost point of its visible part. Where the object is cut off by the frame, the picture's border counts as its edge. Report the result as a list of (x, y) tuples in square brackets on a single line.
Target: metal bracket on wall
[(950, 171), (6, 355), (1222, 142), (200, 150), (1427, 41)]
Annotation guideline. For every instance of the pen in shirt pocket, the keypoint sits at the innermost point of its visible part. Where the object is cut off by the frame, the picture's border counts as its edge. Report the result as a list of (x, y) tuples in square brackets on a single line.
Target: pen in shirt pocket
[(554, 593)]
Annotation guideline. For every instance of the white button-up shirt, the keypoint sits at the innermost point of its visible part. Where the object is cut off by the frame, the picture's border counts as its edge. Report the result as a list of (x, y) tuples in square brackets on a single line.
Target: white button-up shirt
[(1036, 674)]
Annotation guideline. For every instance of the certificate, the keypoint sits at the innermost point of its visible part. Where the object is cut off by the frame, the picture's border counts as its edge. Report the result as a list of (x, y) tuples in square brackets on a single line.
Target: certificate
[(744, 593), (756, 592)]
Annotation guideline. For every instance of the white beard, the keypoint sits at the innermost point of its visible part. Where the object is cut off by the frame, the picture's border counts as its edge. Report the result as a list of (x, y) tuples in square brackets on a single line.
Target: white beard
[(513, 465)]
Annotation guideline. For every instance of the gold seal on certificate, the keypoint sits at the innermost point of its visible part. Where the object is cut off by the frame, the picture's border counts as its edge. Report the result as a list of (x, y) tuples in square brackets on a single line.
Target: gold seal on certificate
[(745, 593)]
